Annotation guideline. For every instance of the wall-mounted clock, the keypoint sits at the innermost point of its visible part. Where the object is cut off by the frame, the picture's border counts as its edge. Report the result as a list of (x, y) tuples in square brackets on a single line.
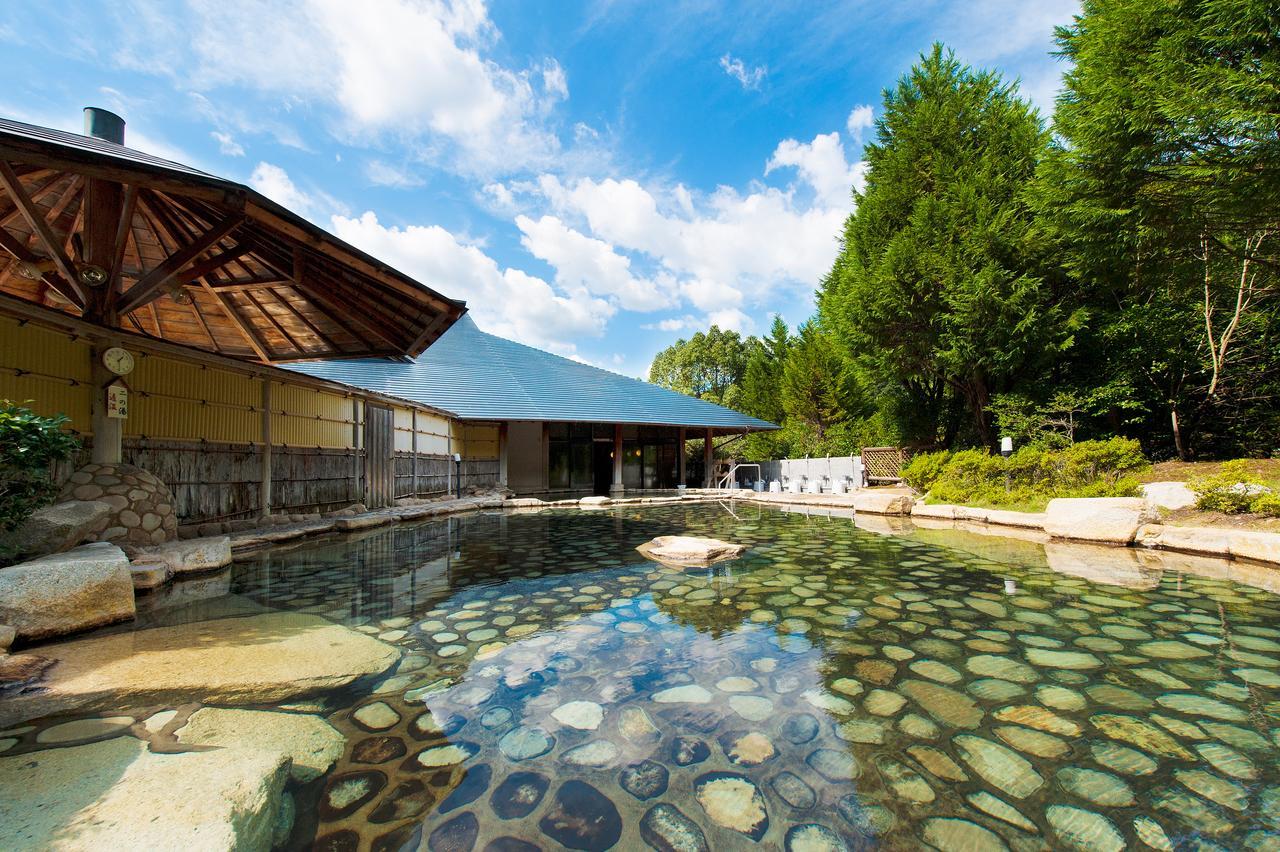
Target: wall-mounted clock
[(118, 361)]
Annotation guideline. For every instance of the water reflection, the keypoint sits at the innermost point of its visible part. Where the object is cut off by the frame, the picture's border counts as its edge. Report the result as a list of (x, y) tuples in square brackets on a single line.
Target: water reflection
[(842, 685)]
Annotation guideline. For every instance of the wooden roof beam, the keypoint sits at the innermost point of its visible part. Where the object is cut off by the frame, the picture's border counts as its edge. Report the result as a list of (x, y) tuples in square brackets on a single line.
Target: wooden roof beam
[(247, 331), (22, 254), (151, 285), (9, 180)]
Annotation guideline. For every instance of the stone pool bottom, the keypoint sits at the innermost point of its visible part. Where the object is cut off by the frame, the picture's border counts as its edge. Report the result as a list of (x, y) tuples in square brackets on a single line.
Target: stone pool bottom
[(831, 689)]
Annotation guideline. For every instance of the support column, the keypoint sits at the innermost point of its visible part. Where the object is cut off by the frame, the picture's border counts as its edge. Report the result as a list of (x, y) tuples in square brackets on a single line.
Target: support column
[(617, 489), (708, 461), (266, 446), (357, 495), (413, 491), (502, 454), (107, 431), (680, 441)]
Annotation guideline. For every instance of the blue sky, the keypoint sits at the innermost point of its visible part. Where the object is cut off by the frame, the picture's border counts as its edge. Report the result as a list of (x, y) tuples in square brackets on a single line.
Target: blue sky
[(593, 178)]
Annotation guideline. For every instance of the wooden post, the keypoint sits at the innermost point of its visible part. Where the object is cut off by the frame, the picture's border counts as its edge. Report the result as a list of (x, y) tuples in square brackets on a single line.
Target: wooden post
[(617, 488), (502, 454), (266, 446), (356, 495), (708, 462), (413, 492), (680, 474), (107, 431)]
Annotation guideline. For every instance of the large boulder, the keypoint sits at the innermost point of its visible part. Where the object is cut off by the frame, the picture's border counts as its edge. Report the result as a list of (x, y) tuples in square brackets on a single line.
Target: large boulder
[(689, 550), (116, 794), (56, 528), (192, 556), (1106, 520), (63, 593), (142, 507), (259, 659), (881, 503), (1169, 495), (310, 741)]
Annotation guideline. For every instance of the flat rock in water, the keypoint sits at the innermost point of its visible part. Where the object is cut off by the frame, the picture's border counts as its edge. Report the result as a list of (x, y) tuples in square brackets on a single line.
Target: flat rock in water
[(92, 796), (689, 550), (732, 801), (1101, 788), (310, 741), (1136, 732), (645, 779), (1001, 810), (1032, 742), (259, 659), (938, 762), (665, 828), (581, 817), (999, 766), (1003, 668), (1062, 659), (944, 704), (583, 715), (1084, 830), (949, 834), (1122, 759)]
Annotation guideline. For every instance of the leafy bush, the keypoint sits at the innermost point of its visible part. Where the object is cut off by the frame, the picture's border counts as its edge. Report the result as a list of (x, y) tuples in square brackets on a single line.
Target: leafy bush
[(29, 445), (1234, 490), (1035, 474), (924, 469)]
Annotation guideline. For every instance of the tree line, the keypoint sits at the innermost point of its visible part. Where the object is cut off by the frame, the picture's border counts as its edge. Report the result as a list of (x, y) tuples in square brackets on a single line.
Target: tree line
[(1113, 272)]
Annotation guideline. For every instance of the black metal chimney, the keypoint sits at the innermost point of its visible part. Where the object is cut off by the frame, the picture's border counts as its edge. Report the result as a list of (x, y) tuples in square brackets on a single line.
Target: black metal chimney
[(103, 124)]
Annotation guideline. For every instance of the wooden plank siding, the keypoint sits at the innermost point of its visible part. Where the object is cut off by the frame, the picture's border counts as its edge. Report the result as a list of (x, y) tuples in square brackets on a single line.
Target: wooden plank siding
[(198, 426)]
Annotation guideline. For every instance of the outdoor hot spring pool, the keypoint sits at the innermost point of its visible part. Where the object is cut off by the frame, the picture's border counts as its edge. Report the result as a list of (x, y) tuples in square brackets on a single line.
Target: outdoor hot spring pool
[(834, 688)]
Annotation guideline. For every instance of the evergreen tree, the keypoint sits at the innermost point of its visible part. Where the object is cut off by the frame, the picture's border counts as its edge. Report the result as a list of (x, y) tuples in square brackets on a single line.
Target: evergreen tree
[(818, 388), (1164, 196), (937, 293)]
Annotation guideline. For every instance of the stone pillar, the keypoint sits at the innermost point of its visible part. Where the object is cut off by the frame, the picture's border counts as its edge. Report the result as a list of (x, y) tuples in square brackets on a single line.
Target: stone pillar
[(107, 431), (680, 473), (708, 462), (266, 446), (617, 489)]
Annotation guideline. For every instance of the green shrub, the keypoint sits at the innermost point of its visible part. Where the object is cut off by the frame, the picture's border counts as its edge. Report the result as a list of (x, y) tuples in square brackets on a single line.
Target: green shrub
[(29, 445), (923, 469), (1233, 490), (1036, 474)]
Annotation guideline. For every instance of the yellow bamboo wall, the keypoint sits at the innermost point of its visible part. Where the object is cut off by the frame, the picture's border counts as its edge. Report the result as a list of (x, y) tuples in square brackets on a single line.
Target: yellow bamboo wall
[(172, 399), (46, 370)]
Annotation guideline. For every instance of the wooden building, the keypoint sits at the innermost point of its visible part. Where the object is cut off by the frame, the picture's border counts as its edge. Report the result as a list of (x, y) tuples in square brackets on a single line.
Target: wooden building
[(204, 285)]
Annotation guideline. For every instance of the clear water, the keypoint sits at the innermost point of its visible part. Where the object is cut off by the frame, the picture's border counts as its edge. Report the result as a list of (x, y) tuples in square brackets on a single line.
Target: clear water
[(834, 688)]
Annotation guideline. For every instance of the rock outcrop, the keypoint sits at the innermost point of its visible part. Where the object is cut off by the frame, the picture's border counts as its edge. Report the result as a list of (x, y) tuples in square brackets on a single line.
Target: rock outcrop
[(116, 794), (873, 503), (192, 556), (689, 550), (1106, 520), (56, 528), (311, 742), (64, 593), (258, 659)]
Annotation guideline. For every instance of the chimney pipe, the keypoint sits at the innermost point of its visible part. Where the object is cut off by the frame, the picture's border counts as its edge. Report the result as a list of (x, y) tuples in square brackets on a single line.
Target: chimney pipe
[(103, 124)]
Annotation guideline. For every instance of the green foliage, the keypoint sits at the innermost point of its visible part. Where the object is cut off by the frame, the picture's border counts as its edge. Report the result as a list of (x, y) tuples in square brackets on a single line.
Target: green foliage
[(1163, 200), (924, 469), (938, 292), (1034, 475), (709, 365), (29, 444), (1234, 490), (818, 388)]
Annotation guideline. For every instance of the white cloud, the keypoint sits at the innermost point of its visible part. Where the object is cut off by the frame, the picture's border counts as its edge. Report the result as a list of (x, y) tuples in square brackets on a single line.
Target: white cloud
[(822, 165), (402, 68), (587, 265), (731, 319), (750, 78), (227, 144), (508, 302), (861, 118), (673, 324), (381, 173), (732, 251), (275, 183)]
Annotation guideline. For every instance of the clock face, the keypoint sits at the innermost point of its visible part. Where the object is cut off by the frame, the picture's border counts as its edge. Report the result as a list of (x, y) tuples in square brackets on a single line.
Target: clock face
[(118, 360)]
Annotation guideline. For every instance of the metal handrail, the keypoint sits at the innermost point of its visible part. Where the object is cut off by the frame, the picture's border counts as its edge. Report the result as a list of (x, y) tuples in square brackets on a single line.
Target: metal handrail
[(732, 474)]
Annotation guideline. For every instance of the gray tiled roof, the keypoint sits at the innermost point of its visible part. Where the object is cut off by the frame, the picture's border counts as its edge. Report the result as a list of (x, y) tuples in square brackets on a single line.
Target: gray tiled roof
[(478, 376)]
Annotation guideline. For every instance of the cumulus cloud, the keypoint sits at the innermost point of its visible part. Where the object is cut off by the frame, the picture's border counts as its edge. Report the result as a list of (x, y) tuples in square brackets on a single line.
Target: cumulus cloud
[(749, 77), (821, 164), (861, 118), (397, 68), (587, 265), (505, 301)]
